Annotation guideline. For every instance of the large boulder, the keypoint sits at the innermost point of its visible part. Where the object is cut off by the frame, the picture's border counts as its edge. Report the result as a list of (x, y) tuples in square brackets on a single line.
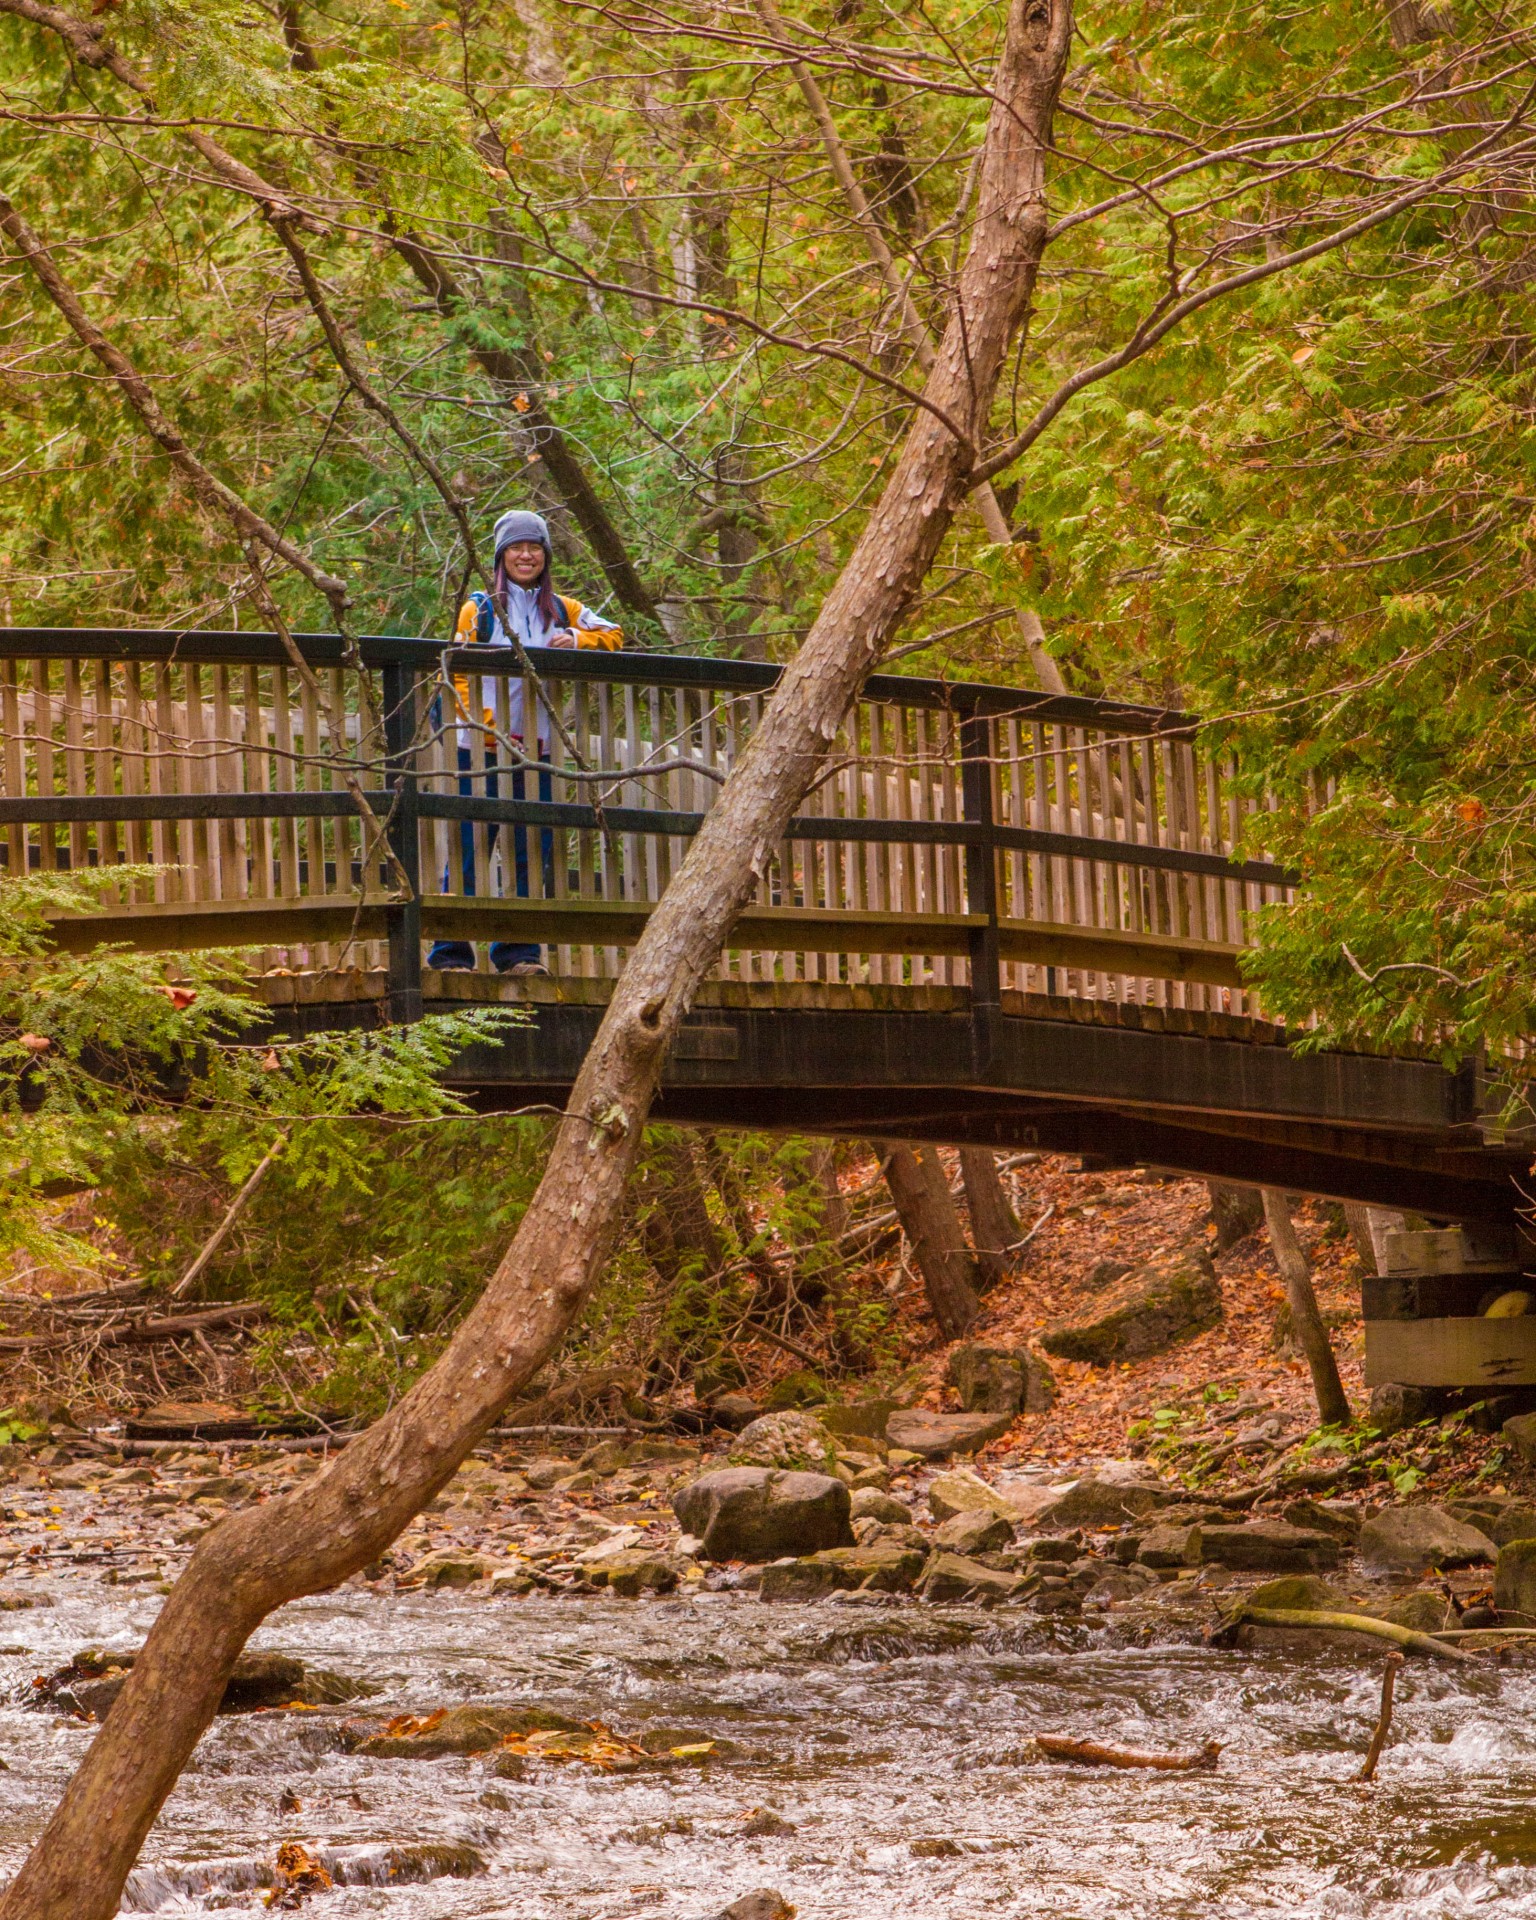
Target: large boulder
[(630, 1572), (973, 1533), (1326, 1516), (873, 1503), (93, 1679), (933, 1435), (1008, 1380), (882, 1567), (1167, 1300), (760, 1513), (449, 1567), (949, 1577), (1521, 1434), (1502, 1520), (962, 1490), (789, 1439), (1421, 1540), (1514, 1582), (1301, 1593), (1162, 1547), (1102, 1500), (1264, 1546), (1394, 1407)]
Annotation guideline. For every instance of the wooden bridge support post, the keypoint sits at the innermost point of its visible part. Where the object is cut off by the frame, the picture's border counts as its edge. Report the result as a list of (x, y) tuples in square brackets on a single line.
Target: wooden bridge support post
[(976, 759), (403, 920)]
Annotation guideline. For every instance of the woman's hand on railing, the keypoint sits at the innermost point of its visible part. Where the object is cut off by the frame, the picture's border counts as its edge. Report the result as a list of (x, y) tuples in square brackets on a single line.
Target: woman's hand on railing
[(562, 637)]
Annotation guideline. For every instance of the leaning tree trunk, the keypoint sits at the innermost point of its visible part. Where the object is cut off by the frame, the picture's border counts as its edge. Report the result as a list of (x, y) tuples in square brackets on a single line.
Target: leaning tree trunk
[(1332, 1404), (995, 1230), (262, 1557), (931, 1222)]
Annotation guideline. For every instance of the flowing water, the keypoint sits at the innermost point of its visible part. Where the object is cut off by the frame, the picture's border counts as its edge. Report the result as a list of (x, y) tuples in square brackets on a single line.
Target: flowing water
[(893, 1742)]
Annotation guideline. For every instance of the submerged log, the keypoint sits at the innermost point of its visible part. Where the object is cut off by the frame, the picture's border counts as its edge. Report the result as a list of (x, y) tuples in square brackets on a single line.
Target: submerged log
[(1093, 1753)]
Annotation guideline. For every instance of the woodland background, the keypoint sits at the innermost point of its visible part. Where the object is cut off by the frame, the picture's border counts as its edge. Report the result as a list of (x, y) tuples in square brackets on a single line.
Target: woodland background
[(596, 258)]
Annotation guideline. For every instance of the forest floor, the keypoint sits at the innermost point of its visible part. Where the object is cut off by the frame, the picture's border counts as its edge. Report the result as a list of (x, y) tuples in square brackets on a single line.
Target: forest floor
[(1177, 1406)]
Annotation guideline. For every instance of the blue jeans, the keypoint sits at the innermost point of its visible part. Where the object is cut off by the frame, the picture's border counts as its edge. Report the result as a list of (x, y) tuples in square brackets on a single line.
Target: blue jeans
[(504, 953)]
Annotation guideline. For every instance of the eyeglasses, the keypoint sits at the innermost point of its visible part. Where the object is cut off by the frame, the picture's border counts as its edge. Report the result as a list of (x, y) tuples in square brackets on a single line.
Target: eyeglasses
[(525, 549)]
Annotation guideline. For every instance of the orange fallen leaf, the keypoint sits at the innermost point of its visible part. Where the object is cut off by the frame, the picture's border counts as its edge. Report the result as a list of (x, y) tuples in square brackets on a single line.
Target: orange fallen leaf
[(405, 1726), (180, 997), (35, 1042)]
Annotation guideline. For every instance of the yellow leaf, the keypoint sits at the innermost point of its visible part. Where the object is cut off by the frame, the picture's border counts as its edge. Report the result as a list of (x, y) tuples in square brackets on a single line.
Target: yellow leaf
[(1302, 355)]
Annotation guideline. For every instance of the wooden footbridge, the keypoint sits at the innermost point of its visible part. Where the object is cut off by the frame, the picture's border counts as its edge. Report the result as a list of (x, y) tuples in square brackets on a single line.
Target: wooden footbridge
[(1001, 917)]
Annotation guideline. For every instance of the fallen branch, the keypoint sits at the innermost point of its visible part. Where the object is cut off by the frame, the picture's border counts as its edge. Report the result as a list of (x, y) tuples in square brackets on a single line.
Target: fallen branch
[(1330, 1622), (134, 1333), (1092, 1753), (755, 1330), (236, 1207), (1383, 1719), (1482, 1635)]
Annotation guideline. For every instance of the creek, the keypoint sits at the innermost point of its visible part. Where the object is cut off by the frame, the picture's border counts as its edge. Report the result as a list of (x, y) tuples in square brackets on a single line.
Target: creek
[(892, 1744)]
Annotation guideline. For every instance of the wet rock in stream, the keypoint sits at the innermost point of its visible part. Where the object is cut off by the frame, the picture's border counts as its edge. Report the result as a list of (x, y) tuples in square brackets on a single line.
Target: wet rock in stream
[(758, 1513), (93, 1678)]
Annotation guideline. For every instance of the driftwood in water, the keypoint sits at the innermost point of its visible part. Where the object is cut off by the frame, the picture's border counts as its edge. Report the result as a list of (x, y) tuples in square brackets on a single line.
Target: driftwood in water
[(1383, 1719), (1093, 1753), (1330, 1622)]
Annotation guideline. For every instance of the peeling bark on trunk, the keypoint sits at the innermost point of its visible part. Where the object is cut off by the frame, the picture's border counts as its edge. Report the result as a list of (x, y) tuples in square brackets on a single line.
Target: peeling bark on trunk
[(931, 1221), (262, 1557), (995, 1229), (1332, 1405)]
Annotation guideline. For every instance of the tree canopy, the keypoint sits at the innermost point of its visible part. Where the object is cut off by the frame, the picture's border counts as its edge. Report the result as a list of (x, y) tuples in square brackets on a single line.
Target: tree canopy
[(1264, 450)]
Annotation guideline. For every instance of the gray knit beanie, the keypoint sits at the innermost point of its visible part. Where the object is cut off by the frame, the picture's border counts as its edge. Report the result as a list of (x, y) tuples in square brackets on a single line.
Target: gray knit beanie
[(519, 525)]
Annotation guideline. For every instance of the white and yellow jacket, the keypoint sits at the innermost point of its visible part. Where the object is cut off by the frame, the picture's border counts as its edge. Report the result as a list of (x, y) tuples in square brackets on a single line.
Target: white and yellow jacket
[(479, 621)]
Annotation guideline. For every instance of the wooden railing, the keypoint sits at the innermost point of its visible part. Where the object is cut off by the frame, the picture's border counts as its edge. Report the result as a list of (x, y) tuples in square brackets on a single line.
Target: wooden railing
[(964, 835)]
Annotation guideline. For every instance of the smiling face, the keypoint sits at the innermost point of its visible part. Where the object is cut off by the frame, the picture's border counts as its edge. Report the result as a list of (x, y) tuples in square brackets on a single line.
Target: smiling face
[(524, 561)]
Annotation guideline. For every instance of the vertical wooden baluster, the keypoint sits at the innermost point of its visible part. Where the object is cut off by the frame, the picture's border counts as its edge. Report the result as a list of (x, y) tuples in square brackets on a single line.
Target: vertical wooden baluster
[(285, 773), (581, 795), (636, 874), (255, 774), (18, 860), (226, 779), (607, 845), (203, 880), (951, 806), (104, 738), (167, 779), (1135, 877), (76, 783), (565, 791)]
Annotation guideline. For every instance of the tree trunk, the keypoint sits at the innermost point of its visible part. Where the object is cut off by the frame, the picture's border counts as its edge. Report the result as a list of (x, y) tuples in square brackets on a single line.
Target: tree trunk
[(307, 1541), (995, 1229), (930, 1220), (1237, 1211), (679, 1236), (834, 1208), (1332, 1406)]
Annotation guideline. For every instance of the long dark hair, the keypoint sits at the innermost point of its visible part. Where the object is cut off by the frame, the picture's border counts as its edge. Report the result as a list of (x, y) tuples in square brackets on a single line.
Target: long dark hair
[(550, 610)]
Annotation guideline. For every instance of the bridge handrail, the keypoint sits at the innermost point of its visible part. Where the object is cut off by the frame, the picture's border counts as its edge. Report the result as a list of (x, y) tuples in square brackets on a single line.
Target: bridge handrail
[(203, 646), (961, 832)]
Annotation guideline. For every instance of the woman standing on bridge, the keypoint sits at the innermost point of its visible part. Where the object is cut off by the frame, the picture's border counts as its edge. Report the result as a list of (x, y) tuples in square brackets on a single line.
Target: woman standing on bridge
[(523, 603)]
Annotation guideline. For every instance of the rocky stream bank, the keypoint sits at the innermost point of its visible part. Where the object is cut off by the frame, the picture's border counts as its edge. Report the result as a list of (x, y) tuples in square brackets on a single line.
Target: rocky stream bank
[(811, 1657)]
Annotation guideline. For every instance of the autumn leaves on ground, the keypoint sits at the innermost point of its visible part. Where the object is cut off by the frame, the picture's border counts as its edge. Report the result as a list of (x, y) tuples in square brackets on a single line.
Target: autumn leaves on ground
[(1217, 1404)]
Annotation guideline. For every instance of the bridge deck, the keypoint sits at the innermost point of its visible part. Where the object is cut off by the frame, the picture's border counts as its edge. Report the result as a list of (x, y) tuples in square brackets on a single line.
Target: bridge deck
[(1201, 1092)]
